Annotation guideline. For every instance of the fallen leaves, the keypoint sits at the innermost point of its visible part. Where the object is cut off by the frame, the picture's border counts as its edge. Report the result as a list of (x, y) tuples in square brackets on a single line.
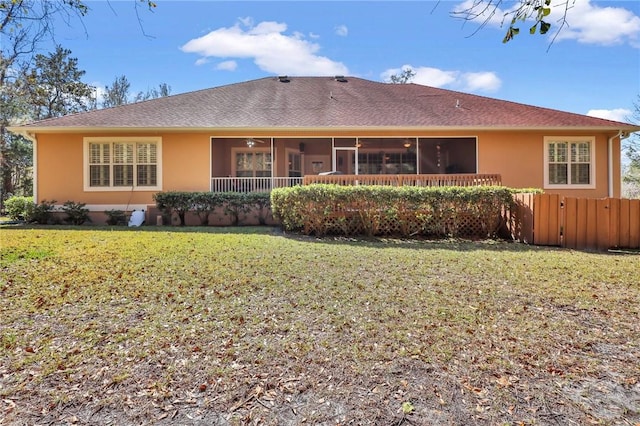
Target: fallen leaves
[(189, 324)]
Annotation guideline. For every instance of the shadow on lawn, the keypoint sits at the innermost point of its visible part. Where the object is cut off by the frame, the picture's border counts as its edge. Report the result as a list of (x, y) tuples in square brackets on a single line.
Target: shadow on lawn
[(420, 243)]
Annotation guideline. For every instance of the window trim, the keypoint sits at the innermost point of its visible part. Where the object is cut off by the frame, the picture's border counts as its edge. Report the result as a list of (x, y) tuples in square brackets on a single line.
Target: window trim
[(86, 178), (592, 162)]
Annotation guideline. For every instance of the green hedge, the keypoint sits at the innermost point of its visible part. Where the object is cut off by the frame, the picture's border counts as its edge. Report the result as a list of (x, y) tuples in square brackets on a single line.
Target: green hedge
[(378, 210), (234, 204), (19, 208)]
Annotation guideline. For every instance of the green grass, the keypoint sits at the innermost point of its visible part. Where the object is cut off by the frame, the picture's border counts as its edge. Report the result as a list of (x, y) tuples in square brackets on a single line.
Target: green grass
[(251, 326)]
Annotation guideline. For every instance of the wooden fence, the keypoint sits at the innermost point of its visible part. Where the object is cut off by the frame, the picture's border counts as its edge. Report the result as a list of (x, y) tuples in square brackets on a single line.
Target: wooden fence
[(577, 223)]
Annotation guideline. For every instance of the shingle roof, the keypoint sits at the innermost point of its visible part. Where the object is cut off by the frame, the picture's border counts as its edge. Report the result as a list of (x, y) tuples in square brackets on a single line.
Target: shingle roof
[(324, 102)]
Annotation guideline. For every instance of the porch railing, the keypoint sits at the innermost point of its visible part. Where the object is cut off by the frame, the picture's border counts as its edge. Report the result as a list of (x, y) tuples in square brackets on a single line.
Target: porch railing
[(265, 184), (467, 179), (251, 184)]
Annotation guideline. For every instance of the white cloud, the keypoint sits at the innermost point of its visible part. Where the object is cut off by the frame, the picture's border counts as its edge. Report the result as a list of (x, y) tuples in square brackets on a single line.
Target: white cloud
[(466, 81), (592, 24), (480, 81), (227, 66), (618, 114), (428, 76), (270, 48), (202, 61), (587, 22), (342, 30)]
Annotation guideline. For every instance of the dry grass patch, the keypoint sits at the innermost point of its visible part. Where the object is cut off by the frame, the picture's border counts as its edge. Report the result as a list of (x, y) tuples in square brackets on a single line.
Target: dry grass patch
[(228, 327)]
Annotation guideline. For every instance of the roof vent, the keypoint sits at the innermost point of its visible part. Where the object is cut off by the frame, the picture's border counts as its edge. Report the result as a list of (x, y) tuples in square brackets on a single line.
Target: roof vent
[(283, 79), (340, 78)]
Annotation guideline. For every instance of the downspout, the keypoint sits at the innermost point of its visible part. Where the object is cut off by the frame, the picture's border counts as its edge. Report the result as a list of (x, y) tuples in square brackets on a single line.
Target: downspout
[(610, 161)]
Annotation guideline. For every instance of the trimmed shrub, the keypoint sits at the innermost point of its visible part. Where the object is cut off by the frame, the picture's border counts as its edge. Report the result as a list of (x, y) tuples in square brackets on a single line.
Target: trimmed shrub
[(41, 213), (19, 208), (205, 203), (379, 210), (178, 202), (77, 214), (236, 205), (116, 217)]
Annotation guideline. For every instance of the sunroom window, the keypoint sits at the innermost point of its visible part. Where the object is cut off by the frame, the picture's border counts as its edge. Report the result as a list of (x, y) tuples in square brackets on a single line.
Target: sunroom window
[(569, 162), (122, 163), (253, 164)]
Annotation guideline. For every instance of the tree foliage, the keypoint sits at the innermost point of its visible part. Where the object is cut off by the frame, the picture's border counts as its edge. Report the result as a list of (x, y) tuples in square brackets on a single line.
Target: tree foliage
[(532, 13), (631, 176), (54, 86), (119, 93), (161, 91), (404, 77)]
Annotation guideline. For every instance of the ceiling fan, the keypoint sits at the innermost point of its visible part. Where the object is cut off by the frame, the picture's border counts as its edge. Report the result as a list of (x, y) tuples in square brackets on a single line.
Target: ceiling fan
[(251, 142)]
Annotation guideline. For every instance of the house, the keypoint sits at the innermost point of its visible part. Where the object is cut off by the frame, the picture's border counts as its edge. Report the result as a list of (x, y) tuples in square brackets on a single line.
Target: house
[(273, 131)]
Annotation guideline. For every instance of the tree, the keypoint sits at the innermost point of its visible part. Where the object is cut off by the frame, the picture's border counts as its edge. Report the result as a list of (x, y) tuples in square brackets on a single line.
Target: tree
[(54, 86), (163, 90), (17, 173), (532, 11), (51, 88), (117, 94), (631, 175), (404, 77)]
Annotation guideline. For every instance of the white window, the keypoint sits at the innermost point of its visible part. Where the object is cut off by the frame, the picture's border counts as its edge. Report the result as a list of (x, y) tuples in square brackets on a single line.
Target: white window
[(122, 163), (569, 162), (252, 163)]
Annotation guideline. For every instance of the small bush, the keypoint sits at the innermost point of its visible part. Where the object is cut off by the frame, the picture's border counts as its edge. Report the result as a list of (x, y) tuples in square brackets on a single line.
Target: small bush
[(18, 208), (41, 213), (116, 217), (77, 214)]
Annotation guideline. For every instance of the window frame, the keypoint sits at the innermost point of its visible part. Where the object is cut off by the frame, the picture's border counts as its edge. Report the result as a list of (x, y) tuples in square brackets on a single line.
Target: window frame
[(111, 140), (297, 157), (570, 140), (263, 151)]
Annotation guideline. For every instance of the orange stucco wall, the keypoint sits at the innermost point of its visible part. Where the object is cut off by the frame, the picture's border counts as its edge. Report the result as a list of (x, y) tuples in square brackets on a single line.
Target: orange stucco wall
[(59, 162), (519, 158), (188, 162)]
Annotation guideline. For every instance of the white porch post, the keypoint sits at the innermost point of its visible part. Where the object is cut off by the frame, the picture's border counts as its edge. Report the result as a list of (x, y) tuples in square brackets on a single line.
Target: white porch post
[(417, 155), (273, 163)]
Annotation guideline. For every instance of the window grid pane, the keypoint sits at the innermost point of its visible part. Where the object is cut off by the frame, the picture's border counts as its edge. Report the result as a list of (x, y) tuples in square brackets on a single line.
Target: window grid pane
[(147, 175), (99, 175), (123, 175), (122, 164), (580, 174), (569, 163), (558, 174), (122, 153)]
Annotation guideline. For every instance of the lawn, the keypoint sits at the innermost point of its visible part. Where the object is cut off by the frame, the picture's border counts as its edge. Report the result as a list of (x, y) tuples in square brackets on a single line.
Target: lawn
[(242, 326)]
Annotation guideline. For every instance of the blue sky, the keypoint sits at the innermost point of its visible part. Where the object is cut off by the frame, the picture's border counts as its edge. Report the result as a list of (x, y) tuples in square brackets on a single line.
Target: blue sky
[(592, 67)]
